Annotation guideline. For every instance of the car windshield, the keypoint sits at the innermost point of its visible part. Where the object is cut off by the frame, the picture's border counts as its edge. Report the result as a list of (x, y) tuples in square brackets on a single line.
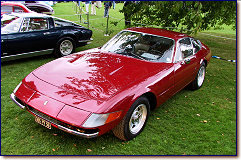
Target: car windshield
[(10, 24), (141, 46)]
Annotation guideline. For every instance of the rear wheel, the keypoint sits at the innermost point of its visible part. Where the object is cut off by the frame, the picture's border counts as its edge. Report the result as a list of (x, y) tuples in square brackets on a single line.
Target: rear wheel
[(64, 47), (198, 82), (134, 121)]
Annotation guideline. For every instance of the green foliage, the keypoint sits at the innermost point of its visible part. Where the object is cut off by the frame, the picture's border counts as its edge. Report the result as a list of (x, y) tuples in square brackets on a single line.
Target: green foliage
[(115, 23), (189, 16)]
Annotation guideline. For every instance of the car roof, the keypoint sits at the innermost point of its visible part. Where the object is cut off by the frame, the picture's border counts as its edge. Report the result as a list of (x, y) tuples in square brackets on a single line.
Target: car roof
[(12, 4), (159, 32), (30, 15), (16, 4)]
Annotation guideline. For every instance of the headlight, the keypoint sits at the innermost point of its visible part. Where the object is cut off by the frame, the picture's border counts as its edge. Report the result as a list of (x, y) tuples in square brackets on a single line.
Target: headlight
[(15, 90), (96, 120)]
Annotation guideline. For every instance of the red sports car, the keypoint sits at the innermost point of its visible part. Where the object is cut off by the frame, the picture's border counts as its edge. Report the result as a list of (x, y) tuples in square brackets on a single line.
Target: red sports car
[(9, 7), (113, 87)]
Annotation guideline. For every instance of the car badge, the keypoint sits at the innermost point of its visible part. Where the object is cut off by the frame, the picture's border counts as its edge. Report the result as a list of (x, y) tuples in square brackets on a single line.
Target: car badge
[(45, 103)]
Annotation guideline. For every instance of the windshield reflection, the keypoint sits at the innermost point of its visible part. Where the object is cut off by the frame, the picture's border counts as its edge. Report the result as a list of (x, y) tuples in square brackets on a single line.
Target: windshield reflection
[(10, 24), (141, 46)]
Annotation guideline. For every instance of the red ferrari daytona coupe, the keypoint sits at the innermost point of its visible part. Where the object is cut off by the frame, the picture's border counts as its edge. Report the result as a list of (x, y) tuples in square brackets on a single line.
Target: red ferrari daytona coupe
[(113, 87)]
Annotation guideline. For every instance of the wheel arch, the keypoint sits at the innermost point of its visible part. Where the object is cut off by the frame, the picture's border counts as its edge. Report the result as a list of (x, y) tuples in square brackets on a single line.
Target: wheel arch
[(68, 35), (206, 62), (73, 38), (151, 98)]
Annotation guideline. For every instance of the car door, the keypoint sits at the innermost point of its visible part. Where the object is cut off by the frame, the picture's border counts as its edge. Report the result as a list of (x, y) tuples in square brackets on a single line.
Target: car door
[(4, 39), (31, 36), (52, 34), (186, 63)]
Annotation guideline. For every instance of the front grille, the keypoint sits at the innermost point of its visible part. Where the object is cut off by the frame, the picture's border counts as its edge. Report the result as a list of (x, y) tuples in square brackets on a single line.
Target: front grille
[(42, 115), (57, 122)]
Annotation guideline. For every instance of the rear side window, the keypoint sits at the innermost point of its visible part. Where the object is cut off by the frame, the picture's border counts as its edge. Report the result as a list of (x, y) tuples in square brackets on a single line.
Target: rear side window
[(6, 9), (61, 23), (196, 45), (184, 49)]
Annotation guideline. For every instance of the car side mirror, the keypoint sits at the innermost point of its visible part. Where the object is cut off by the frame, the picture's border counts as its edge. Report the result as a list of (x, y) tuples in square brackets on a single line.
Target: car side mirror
[(187, 60)]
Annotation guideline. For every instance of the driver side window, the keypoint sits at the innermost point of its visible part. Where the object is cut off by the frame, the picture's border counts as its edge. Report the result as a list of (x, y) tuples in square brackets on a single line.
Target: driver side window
[(184, 49), (34, 24), (24, 26)]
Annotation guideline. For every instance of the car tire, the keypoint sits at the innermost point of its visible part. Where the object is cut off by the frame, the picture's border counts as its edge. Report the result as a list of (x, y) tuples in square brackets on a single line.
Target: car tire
[(65, 46), (198, 81), (134, 121)]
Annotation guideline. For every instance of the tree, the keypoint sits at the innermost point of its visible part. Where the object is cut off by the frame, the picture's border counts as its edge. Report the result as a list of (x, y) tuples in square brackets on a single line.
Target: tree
[(189, 16)]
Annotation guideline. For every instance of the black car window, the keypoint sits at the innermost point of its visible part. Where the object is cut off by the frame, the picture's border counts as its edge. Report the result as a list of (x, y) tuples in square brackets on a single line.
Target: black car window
[(184, 49), (18, 9), (24, 26), (6, 9), (34, 24), (61, 23), (196, 45)]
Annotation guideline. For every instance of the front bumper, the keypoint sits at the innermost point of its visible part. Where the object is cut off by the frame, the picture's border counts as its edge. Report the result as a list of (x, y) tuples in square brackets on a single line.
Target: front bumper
[(56, 123)]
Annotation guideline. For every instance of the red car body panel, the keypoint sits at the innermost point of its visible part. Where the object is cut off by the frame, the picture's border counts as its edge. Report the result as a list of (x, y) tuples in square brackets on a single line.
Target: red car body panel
[(97, 76), (92, 81), (159, 32), (73, 115), (23, 7)]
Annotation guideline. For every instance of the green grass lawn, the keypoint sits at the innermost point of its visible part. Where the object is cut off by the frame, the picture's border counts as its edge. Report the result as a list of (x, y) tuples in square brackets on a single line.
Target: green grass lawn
[(201, 122)]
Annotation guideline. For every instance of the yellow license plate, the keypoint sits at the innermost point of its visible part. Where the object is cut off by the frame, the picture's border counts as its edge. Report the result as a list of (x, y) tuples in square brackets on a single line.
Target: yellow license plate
[(43, 122)]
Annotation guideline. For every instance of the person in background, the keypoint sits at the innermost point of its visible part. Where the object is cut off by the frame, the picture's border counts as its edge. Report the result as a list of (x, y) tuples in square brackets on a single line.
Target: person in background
[(113, 4), (107, 7), (93, 5), (87, 4), (78, 2), (98, 4)]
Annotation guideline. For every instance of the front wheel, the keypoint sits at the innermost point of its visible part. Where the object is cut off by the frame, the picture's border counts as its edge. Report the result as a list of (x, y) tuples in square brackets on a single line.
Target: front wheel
[(134, 121), (198, 82), (64, 47)]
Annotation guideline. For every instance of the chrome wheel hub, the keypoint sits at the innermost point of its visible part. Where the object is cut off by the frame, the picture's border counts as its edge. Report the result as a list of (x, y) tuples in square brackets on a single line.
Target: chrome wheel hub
[(138, 119), (66, 47), (201, 75)]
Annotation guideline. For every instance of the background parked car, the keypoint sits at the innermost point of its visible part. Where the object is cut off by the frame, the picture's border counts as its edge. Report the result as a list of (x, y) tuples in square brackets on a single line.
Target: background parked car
[(39, 7), (50, 3), (9, 7), (31, 34)]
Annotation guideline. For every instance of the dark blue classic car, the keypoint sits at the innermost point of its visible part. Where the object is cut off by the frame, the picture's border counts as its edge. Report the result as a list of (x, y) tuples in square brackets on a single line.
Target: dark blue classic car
[(31, 34)]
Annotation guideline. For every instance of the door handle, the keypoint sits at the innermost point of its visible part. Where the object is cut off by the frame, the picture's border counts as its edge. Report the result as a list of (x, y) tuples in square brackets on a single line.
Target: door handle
[(46, 33)]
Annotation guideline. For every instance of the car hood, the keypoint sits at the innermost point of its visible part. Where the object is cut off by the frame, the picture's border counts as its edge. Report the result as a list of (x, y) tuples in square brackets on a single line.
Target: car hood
[(95, 75)]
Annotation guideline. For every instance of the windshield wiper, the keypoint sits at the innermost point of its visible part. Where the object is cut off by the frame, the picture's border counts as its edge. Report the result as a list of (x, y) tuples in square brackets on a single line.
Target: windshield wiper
[(124, 52), (130, 53)]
